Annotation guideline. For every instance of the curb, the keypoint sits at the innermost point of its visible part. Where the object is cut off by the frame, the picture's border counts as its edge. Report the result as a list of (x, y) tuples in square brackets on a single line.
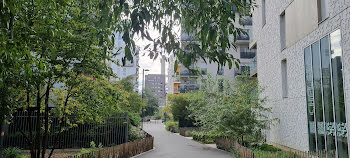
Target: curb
[(143, 153)]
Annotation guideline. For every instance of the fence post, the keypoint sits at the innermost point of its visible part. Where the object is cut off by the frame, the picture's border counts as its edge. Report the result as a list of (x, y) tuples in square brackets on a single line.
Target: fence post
[(126, 128)]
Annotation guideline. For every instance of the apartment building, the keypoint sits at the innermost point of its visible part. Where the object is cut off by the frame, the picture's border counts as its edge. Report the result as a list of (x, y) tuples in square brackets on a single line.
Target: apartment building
[(184, 80), (157, 83), (128, 68), (303, 61)]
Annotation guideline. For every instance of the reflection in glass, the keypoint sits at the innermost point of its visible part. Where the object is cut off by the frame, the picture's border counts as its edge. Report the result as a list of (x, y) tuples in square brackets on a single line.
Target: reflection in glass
[(316, 69), (310, 99), (327, 97), (339, 105)]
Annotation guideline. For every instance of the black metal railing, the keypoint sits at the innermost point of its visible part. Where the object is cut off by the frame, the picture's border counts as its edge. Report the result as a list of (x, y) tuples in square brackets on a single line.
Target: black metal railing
[(247, 55), (112, 131)]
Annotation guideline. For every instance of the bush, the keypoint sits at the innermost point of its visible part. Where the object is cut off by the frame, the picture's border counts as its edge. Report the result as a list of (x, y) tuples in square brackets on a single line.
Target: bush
[(12, 153), (135, 133), (267, 147), (205, 137), (172, 126)]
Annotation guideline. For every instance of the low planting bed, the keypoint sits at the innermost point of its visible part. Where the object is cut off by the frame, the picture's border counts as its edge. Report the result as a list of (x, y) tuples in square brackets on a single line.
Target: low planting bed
[(260, 151), (187, 131), (204, 137), (125, 150)]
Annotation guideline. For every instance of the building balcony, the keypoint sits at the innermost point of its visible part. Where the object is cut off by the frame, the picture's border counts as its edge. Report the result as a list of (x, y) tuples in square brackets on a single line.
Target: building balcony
[(247, 21), (188, 73), (253, 68), (188, 87), (243, 38)]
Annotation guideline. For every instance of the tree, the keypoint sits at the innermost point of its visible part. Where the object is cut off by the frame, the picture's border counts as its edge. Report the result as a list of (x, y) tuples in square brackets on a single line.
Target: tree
[(178, 105), (44, 43), (152, 102), (234, 110)]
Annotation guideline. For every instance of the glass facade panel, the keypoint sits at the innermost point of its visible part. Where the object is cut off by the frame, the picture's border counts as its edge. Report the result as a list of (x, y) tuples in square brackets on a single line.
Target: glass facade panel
[(339, 105), (310, 99), (325, 97), (316, 69)]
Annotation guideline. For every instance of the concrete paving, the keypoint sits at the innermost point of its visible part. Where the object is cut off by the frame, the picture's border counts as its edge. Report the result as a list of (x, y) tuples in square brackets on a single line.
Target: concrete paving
[(170, 145)]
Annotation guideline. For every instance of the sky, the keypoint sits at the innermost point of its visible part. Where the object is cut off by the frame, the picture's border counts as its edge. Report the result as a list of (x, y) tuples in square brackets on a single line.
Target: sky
[(154, 66)]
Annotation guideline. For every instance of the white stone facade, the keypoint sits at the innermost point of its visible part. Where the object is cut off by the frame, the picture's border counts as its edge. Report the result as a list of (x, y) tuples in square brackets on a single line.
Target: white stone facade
[(292, 128)]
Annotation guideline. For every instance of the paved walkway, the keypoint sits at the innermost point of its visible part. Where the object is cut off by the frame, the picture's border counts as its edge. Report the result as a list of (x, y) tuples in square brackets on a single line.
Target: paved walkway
[(170, 145)]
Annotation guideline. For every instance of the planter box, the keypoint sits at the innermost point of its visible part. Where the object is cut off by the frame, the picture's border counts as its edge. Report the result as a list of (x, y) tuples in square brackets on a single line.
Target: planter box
[(125, 150)]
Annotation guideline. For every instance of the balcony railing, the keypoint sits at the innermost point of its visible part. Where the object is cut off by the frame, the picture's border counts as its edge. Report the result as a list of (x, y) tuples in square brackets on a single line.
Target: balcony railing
[(188, 87), (247, 20), (247, 54), (187, 72), (243, 36)]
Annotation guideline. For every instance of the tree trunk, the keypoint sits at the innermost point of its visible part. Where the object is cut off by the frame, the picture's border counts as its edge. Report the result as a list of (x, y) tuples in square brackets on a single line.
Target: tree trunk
[(45, 139)]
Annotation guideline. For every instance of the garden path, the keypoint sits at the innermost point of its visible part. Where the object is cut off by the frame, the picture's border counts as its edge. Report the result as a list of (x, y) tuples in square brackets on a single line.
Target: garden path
[(170, 145)]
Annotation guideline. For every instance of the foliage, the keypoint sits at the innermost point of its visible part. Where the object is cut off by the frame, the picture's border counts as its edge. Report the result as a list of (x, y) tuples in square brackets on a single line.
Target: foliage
[(135, 133), (267, 147), (46, 43), (205, 137), (231, 109), (12, 153), (159, 115), (91, 149), (172, 126), (178, 105), (167, 111), (152, 102)]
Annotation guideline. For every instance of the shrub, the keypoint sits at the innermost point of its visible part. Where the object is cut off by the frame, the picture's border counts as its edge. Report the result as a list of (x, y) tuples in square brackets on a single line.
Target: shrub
[(91, 149), (12, 153), (205, 137), (267, 147), (172, 126), (135, 133)]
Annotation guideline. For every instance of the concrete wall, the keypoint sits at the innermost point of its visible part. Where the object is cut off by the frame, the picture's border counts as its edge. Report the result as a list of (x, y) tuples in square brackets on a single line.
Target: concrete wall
[(301, 19), (292, 129)]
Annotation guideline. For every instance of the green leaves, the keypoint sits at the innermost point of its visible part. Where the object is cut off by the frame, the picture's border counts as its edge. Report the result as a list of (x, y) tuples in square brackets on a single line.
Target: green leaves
[(233, 109)]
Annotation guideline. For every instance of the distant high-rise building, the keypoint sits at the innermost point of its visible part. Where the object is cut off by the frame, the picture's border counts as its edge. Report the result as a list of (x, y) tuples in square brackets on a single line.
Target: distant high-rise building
[(157, 83)]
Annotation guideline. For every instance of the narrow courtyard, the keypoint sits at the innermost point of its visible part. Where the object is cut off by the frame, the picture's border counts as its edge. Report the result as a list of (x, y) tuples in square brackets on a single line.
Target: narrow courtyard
[(170, 145)]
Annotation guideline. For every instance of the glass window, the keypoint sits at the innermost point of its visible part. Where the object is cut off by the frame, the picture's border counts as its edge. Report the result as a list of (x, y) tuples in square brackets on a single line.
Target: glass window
[(284, 76), (327, 97), (310, 99), (263, 15), (283, 30), (322, 10), (339, 105), (316, 69)]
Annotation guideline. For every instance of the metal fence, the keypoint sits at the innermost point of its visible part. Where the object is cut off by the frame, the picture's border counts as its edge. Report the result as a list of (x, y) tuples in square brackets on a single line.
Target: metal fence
[(112, 131)]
